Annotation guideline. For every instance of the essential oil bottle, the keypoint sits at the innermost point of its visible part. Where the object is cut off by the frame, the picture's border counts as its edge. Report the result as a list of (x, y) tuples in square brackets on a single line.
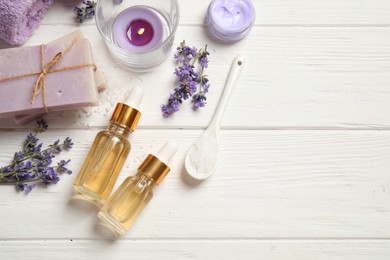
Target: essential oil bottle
[(109, 151), (124, 206)]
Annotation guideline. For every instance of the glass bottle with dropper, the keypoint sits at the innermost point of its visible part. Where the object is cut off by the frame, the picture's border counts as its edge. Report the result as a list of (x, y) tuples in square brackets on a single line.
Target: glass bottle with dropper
[(127, 202), (109, 151)]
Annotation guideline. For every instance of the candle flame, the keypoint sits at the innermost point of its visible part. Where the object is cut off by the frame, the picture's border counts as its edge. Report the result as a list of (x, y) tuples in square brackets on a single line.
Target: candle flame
[(140, 31)]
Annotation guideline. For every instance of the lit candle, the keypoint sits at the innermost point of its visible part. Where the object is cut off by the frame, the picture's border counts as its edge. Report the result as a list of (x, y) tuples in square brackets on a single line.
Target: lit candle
[(138, 29), (230, 20)]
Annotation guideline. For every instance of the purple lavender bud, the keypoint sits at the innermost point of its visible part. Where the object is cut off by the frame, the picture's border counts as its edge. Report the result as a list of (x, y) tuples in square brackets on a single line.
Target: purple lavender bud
[(20, 186), (31, 140), (42, 126), (5, 169), (86, 11), (166, 110), (18, 156), (67, 145), (29, 187), (50, 176), (25, 187), (61, 167), (55, 147), (199, 101), (175, 105)]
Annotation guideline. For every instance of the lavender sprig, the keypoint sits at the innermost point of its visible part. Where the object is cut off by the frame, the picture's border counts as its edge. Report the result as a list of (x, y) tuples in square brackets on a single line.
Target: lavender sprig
[(192, 83), (86, 11), (32, 165)]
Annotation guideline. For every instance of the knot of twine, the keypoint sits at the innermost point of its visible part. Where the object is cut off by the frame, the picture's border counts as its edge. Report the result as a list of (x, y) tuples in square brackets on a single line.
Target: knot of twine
[(40, 84)]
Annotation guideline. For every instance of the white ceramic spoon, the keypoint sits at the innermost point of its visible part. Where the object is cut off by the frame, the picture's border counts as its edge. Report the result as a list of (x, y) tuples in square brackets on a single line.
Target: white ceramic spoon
[(201, 159)]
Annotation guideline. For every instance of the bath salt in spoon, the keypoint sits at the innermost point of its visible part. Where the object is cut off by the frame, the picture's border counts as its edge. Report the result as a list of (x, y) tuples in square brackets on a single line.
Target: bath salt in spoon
[(201, 159)]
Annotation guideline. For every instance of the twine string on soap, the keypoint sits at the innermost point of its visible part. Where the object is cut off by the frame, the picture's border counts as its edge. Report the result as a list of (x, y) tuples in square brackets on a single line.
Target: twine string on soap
[(46, 69)]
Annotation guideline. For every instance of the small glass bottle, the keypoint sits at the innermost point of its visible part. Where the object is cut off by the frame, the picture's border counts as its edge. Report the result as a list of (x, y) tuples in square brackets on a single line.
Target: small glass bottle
[(108, 153), (124, 206)]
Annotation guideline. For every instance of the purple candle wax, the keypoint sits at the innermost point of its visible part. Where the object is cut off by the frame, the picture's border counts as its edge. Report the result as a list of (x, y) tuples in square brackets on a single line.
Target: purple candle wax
[(138, 29), (140, 32), (230, 20)]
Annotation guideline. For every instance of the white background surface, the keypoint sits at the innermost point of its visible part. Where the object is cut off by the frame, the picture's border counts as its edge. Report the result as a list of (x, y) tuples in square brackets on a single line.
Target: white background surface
[(305, 145)]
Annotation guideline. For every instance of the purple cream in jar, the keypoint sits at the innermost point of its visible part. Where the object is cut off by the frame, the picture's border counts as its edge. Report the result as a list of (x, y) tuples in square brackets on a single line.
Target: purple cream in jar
[(230, 20)]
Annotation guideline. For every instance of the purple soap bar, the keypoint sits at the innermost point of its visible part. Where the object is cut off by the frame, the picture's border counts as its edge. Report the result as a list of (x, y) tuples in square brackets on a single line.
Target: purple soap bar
[(99, 83), (24, 119), (69, 88)]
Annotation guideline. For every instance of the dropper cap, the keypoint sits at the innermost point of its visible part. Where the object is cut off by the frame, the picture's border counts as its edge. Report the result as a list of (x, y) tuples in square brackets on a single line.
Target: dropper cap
[(156, 166), (127, 114)]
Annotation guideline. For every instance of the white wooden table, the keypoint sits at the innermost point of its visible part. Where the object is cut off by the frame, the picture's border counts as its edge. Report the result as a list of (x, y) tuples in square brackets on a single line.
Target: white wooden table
[(304, 167)]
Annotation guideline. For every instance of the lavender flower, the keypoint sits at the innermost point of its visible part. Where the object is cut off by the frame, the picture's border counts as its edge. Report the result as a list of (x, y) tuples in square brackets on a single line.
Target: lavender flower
[(61, 167), (184, 53), (26, 187), (199, 100), (68, 144), (192, 83), (31, 140), (18, 156), (31, 166), (87, 11), (173, 104), (117, 2), (55, 147), (41, 126), (49, 176), (204, 58)]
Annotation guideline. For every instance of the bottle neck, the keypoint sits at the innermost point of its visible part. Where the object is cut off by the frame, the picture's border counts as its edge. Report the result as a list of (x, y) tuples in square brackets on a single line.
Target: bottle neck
[(145, 179), (118, 129), (143, 182)]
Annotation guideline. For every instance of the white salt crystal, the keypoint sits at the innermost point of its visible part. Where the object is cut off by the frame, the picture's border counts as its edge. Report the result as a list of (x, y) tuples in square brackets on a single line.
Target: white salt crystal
[(204, 155)]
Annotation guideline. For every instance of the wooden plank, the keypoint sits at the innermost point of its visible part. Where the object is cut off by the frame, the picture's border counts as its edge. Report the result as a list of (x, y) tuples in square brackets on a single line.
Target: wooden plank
[(195, 249), (277, 194), (271, 12), (269, 184), (294, 78)]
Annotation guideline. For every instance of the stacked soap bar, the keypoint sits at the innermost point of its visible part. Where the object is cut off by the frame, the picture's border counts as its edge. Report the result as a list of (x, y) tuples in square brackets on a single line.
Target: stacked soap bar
[(66, 88)]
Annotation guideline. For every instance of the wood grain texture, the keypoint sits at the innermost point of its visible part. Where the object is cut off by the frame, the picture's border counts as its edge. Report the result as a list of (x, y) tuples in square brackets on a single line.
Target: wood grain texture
[(206, 249), (304, 151), (279, 184), (269, 12), (294, 78)]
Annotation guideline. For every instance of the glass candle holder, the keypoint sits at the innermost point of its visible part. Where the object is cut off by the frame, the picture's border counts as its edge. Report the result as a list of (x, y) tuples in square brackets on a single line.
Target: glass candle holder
[(138, 33)]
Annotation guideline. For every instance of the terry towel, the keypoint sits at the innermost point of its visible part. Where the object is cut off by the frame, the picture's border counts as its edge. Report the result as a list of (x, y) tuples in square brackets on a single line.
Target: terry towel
[(20, 18)]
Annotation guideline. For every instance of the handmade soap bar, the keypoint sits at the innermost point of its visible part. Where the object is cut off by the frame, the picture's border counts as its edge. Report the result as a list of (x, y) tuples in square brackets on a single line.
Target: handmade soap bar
[(24, 119), (73, 85), (99, 83)]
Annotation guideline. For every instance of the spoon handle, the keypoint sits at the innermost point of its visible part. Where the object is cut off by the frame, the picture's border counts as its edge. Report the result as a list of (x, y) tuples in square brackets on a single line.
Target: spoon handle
[(234, 74)]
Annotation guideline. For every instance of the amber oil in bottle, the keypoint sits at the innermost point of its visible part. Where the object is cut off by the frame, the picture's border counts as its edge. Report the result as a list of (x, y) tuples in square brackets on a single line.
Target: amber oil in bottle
[(127, 202), (108, 153)]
